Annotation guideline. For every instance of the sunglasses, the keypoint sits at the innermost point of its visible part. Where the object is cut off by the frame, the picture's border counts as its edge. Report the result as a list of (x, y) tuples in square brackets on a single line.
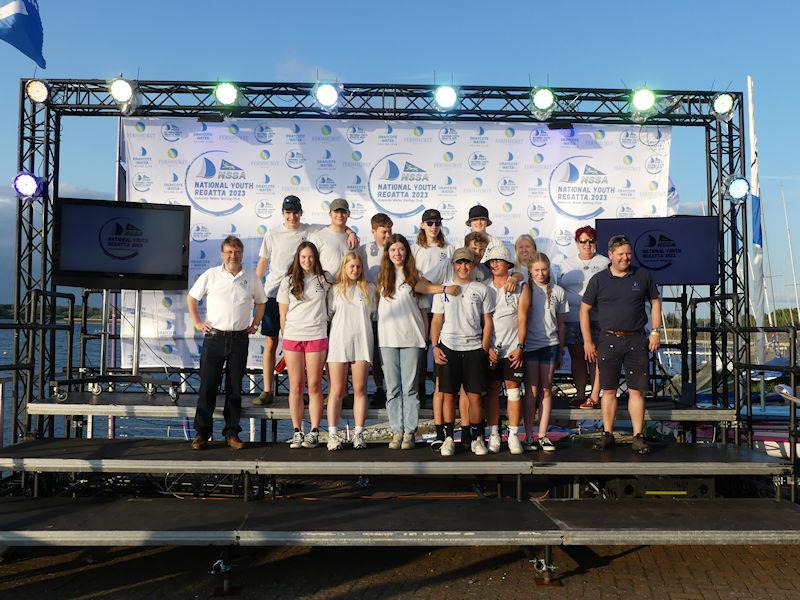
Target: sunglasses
[(587, 241), (433, 223), (617, 240)]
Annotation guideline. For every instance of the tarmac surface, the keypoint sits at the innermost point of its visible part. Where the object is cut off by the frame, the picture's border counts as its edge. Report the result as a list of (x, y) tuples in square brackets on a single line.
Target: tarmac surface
[(669, 572)]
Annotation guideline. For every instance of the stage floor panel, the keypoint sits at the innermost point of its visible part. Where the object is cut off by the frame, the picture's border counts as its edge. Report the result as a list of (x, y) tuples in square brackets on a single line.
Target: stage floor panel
[(171, 456), (141, 405)]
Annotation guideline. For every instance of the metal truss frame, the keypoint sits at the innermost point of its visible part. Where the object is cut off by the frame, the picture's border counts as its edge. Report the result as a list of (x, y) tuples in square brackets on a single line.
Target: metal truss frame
[(39, 144)]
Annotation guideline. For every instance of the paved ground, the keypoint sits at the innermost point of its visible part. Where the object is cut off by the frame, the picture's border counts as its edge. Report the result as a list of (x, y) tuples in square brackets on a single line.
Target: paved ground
[(674, 572)]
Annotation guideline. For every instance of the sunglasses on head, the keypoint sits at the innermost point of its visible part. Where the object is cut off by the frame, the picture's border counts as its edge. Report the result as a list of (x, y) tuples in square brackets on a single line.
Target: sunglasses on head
[(619, 239), (433, 223), (587, 241)]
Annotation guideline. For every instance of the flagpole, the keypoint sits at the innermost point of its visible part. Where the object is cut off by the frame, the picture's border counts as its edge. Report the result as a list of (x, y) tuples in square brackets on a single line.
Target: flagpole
[(791, 256)]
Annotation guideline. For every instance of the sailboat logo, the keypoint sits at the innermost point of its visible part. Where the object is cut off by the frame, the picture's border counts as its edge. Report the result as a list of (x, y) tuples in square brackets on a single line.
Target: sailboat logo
[(655, 250)]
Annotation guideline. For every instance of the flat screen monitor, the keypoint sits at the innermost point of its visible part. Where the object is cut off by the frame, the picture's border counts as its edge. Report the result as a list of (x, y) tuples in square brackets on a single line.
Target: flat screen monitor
[(121, 245), (679, 250)]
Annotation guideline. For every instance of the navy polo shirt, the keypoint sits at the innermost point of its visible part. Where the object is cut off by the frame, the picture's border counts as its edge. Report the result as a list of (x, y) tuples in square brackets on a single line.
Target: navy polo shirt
[(620, 301)]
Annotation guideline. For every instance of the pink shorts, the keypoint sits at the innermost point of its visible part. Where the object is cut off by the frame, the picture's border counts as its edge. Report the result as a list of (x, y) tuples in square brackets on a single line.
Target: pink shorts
[(307, 346)]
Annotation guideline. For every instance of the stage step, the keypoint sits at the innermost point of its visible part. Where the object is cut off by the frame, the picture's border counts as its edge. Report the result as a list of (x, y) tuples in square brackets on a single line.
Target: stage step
[(171, 456), (394, 522), (141, 405)]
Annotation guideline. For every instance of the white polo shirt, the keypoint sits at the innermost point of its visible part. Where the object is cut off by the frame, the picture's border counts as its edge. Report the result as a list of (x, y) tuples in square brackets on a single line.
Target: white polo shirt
[(278, 247), (463, 316), (230, 298)]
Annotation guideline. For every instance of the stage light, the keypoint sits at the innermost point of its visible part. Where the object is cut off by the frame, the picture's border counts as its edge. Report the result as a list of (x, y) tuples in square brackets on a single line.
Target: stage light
[(121, 91), (226, 94), (327, 95), (445, 97), (643, 100), (722, 106), (37, 91), (736, 188), (543, 101), (27, 185)]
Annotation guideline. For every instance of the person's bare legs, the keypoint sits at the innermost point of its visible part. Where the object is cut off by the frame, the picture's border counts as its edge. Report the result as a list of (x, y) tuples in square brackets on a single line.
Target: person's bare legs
[(295, 367), (546, 371), (338, 384), (512, 409), (636, 410), (530, 399), (268, 362), (315, 361), (609, 409), (360, 371), (493, 404)]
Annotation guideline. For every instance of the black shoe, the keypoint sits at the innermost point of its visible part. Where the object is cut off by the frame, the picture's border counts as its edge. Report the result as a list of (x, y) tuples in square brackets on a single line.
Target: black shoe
[(604, 442), (378, 399), (639, 445), (199, 442)]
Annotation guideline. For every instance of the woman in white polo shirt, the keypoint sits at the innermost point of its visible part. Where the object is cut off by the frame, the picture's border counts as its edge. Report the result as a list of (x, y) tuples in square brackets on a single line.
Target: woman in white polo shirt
[(304, 322), (352, 304)]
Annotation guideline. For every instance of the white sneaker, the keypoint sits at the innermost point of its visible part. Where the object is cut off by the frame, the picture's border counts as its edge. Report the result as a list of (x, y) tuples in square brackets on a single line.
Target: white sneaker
[(311, 440), (334, 442), (359, 443), (408, 441), (514, 445), (297, 440), (546, 444), (494, 443), (479, 447), (397, 441), (448, 447)]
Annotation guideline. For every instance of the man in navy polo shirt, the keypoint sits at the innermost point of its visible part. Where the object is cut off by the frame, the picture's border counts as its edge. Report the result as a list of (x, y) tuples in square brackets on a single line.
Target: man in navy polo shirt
[(620, 293)]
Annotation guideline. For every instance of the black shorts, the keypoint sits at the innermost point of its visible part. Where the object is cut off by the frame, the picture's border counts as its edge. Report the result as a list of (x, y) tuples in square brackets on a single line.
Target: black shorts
[(503, 371), (614, 352), (465, 367), (271, 323)]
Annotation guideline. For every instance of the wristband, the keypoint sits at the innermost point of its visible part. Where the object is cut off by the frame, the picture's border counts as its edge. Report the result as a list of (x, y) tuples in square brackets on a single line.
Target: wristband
[(655, 332)]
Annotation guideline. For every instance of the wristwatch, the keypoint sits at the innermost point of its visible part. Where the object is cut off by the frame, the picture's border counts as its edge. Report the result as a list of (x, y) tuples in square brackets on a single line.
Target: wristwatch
[(521, 346)]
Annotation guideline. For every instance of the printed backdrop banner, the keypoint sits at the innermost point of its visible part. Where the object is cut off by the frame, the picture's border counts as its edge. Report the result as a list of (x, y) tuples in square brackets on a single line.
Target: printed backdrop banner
[(235, 175)]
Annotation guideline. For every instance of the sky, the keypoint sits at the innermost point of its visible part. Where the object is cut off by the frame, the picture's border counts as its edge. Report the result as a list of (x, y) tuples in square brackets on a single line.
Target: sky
[(616, 44)]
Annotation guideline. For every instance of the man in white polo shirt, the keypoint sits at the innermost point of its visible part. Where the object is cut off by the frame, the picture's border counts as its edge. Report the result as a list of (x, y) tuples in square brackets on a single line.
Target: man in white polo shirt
[(231, 293)]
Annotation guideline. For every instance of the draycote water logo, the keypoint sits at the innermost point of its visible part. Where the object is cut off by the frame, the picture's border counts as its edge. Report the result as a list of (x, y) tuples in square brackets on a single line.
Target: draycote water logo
[(578, 189), (655, 250), (215, 185), (479, 138), (399, 186), (448, 135), (356, 134), (121, 238), (171, 132), (264, 134)]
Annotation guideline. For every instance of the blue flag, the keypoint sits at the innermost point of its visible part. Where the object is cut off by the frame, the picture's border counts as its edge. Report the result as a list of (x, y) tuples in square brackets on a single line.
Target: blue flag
[(21, 26)]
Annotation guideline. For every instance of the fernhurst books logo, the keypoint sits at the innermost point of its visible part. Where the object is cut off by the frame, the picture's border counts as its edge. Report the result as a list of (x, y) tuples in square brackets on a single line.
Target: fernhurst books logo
[(122, 238)]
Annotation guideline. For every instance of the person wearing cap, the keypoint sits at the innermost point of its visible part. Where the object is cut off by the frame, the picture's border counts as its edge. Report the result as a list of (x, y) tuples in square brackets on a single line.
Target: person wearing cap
[(231, 293), (432, 254), (274, 259), (510, 325), (620, 294), (331, 241), (575, 274), (461, 331), (478, 221)]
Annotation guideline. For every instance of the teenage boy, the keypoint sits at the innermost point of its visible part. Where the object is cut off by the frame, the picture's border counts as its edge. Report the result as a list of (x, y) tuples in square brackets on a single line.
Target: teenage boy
[(461, 332), (478, 242), (331, 241), (371, 255), (478, 221), (274, 259)]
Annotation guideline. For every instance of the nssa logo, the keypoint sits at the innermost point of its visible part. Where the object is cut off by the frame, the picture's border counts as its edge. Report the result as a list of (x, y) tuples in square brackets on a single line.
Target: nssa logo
[(215, 185)]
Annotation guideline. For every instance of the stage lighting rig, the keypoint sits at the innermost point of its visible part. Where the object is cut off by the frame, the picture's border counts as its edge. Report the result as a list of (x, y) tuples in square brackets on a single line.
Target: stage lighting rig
[(643, 102), (125, 94), (226, 94), (543, 101), (327, 96), (736, 188), (722, 106), (27, 185), (445, 97), (37, 91)]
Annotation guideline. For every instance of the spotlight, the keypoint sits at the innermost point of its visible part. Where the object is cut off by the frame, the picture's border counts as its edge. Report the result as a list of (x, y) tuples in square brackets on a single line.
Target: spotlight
[(27, 185), (644, 102), (37, 91), (736, 188), (543, 101), (445, 97), (121, 90), (327, 96), (722, 106), (226, 94)]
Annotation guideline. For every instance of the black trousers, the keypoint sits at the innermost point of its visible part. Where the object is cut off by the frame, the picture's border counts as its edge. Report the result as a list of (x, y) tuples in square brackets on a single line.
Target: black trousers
[(228, 354)]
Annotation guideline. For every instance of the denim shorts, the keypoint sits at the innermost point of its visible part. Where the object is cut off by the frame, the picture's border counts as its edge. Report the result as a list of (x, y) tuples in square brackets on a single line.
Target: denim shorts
[(548, 354)]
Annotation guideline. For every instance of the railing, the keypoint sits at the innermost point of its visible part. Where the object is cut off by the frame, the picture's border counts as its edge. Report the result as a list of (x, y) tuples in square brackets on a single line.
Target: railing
[(789, 393)]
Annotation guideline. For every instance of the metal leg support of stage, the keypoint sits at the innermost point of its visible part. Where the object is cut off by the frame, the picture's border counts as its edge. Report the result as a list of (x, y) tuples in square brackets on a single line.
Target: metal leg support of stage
[(223, 569), (543, 566)]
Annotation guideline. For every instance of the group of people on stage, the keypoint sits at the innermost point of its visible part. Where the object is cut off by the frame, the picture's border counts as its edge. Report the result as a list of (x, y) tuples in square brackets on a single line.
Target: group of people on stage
[(491, 319)]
